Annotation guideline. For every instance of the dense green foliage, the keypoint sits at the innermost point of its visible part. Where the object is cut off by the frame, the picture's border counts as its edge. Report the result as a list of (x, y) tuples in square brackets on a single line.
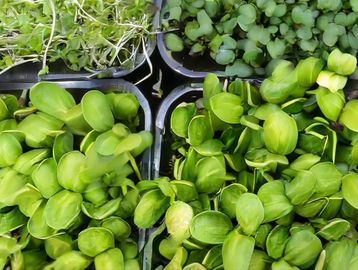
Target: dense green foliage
[(246, 36), (67, 180), (86, 35), (264, 177)]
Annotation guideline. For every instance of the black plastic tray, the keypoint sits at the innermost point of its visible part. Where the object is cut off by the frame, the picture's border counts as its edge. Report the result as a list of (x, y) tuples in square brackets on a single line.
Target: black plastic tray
[(163, 137), (183, 63), (79, 88), (28, 72)]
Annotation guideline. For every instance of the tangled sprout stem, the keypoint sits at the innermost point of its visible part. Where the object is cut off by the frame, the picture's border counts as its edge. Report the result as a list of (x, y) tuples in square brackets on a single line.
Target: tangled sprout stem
[(85, 35), (53, 9)]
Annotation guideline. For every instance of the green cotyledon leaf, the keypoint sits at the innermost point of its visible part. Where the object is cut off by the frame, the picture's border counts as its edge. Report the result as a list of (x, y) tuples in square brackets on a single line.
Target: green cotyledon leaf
[(106, 143), (11, 220), (307, 71), (333, 206), (8, 246), (177, 220), (350, 189), (210, 227), (45, 178), (11, 183), (62, 144), (185, 190), (72, 259), (211, 174), (58, 245), (276, 241), (239, 68), (62, 209), (47, 127), (178, 259), (10, 149), (213, 257), (199, 130), (280, 133), (75, 121), (229, 196), (237, 251), (129, 248), (263, 159), (118, 226), (4, 111), (124, 106), (97, 110), (37, 225), (301, 188), (227, 107), (110, 259), (28, 198), (96, 193), (311, 208), (211, 86), (249, 213), (94, 240), (335, 229), (277, 88), (52, 99), (262, 234), (331, 104), (173, 42), (329, 179), (304, 161), (210, 148), (339, 253), (349, 114), (341, 63), (68, 171), (103, 211), (259, 260), (180, 118), (168, 247), (331, 80), (274, 200), (150, 208), (283, 265), (302, 248)]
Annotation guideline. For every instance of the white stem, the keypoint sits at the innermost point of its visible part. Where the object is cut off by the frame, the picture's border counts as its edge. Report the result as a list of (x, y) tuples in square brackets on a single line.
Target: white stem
[(148, 61), (53, 9), (18, 63), (93, 57), (8, 48), (88, 15), (121, 42)]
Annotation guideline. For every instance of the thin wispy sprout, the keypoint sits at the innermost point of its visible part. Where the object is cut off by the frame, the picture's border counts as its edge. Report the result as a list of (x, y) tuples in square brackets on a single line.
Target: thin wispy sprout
[(83, 36)]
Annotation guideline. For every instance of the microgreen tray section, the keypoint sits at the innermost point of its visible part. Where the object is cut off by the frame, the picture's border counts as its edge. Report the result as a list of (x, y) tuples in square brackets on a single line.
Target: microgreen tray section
[(71, 154), (257, 175), (245, 38), (72, 40)]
